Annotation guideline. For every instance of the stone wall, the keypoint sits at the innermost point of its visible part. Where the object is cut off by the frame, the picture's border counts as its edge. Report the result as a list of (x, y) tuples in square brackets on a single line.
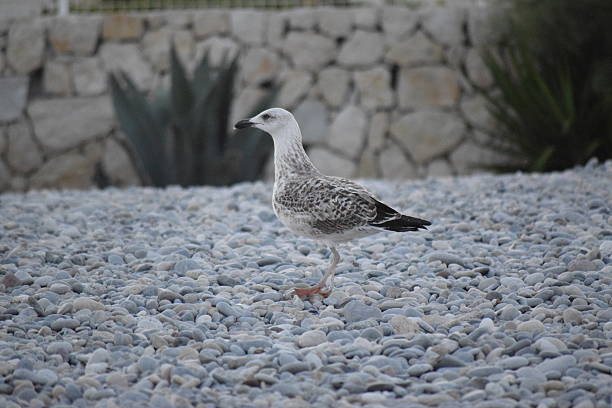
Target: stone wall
[(379, 91)]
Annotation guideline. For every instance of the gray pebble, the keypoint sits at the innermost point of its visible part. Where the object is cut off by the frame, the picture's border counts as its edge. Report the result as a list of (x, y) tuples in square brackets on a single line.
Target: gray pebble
[(446, 258), (357, 311), (483, 371), (418, 369), (227, 310), (147, 364), (512, 363), (560, 364), (63, 323)]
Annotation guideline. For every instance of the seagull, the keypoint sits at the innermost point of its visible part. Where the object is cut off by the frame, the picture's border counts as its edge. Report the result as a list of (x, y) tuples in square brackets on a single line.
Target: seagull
[(330, 210)]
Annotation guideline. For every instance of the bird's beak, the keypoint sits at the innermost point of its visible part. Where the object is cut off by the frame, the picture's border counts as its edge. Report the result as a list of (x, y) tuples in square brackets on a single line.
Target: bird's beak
[(243, 124)]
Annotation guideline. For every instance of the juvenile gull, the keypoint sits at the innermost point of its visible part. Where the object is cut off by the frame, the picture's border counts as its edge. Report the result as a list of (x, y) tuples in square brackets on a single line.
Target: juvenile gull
[(329, 209)]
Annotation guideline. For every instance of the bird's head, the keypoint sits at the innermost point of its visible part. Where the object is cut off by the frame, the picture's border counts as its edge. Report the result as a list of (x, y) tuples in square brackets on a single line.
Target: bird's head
[(272, 121)]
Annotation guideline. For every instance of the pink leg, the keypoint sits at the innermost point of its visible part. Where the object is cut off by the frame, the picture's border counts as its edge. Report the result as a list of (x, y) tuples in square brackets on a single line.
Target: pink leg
[(318, 288)]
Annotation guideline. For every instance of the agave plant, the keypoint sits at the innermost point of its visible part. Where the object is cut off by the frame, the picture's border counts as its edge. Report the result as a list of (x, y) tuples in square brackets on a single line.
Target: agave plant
[(180, 136), (552, 102)]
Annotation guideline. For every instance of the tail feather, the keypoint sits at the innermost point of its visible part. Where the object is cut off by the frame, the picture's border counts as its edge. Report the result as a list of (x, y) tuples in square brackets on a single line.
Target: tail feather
[(391, 220)]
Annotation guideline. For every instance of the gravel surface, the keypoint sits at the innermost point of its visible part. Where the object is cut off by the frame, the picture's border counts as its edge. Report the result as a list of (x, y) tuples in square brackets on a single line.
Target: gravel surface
[(181, 297)]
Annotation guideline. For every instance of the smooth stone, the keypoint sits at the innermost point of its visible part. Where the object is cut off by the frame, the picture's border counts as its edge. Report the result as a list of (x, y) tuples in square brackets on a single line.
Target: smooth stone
[(185, 265), (63, 348), (449, 361), (312, 338), (512, 363), (295, 367), (86, 303), (483, 371), (509, 312), (357, 311), (572, 316), (60, 324), (227, 310), (147, 364), (446, 258), (560, 364), (416, 370), (534, 278), (99, 356), (533, 326)]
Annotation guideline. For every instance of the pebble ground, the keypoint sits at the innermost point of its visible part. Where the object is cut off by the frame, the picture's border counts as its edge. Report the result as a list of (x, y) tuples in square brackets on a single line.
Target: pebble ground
[(181, 298)]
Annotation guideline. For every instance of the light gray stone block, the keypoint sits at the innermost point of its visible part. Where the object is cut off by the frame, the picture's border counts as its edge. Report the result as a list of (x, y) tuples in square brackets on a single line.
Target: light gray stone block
[(245, 103), (332, 164), (399, 22), (477, 71), (377, 134), (394, 165), (428, 134), (26, 46), (335, 22), (295, 86), (428, 87), (374, 87), (249, 26), (57, 79), (333, 85), (302, 18), (418, 50), (469, 157), (445, 24), (368, 165), (259, 65), (122, 27), (64, 123), (16, 9), (313, 119), (474, 108), (309, 51), (127, 58), (89, 78), (439, 168), (276, 29), (23, 154), (75, 34), (211, 22), (366, 18), (68, 170), (14, 91), (118, 166), (362, 49), (348, 131)]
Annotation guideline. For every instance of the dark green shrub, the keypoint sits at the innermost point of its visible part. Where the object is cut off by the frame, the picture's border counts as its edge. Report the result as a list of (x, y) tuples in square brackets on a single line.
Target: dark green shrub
[(553, 80), (181, 135)]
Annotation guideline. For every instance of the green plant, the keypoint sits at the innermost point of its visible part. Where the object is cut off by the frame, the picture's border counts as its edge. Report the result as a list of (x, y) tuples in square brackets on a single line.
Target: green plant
[(181, 135), (553, 80)]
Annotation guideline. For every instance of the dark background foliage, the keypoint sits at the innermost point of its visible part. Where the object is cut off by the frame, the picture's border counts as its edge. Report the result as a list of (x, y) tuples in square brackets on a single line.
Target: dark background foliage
[(182, 135), (553, 74)]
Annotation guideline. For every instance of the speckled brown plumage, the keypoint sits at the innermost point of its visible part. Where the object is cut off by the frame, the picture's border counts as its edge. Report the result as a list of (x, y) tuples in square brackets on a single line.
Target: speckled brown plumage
[(329, 209)]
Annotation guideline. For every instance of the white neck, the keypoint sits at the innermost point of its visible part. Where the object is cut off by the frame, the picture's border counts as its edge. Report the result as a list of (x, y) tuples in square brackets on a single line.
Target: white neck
[(289, 155)]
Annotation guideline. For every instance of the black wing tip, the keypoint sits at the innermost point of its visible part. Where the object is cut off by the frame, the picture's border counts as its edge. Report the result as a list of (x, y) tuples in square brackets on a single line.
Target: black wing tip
[(398, 222), (404, 224)]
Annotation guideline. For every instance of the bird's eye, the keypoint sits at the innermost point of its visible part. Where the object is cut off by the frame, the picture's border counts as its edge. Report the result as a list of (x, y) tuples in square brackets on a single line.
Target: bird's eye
[(266, 116)]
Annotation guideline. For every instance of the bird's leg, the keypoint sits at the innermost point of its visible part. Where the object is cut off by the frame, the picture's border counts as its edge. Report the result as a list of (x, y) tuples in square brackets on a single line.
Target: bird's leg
[(329, 274)]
